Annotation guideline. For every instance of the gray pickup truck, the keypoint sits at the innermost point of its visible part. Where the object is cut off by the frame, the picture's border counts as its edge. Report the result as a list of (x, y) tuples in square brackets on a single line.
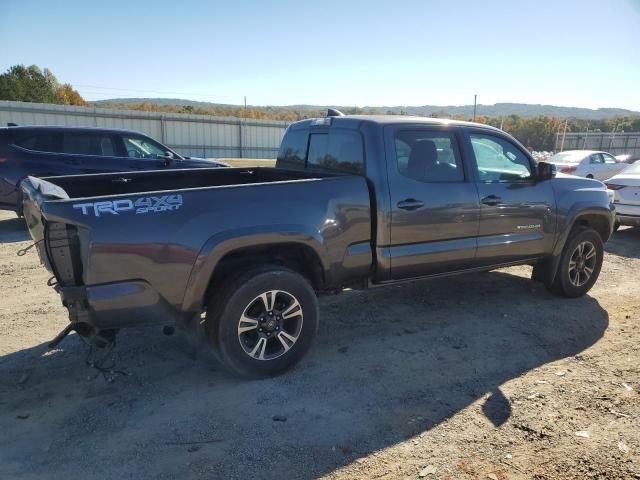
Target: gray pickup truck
[(354, 201)]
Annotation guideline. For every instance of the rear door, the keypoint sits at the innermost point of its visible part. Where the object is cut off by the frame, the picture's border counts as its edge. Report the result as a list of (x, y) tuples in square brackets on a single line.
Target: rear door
[(434, 202), (91, 152), (517, 212)]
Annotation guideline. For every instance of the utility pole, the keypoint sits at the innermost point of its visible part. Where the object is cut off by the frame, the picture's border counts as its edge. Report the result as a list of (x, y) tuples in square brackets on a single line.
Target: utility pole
[(613, 134), (475, 98), (243, 120), (564, 134)]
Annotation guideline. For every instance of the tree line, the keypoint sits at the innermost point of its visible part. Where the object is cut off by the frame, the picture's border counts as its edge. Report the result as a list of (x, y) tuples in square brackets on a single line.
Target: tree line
[(31, 84)]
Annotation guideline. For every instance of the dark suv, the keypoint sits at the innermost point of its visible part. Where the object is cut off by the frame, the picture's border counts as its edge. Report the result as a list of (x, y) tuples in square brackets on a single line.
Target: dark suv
[(53, 151)]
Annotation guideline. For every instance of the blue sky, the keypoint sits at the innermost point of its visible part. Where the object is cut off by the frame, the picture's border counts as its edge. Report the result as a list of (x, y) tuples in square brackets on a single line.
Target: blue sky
[(564, 52)]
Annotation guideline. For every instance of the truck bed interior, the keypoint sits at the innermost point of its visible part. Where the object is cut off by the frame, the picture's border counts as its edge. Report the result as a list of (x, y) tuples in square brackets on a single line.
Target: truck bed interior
[(137, 182)]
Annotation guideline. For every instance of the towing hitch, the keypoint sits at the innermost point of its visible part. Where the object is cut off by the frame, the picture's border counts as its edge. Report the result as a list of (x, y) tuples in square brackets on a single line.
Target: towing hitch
[(61, 336)]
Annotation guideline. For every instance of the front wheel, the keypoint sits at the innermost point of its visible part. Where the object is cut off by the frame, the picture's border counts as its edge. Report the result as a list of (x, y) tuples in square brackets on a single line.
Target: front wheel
[(263, 322), (580, 263)]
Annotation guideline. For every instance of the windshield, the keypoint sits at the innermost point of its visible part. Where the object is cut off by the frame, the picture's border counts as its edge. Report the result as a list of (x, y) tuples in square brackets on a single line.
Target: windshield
[(568, 157)]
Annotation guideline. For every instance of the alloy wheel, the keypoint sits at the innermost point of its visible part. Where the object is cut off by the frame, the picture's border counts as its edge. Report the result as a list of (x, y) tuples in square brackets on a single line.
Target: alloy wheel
[(582, 263), (270, 325)]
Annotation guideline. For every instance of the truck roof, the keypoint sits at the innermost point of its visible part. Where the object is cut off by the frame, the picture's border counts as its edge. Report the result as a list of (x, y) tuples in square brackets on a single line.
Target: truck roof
[(354, 120)]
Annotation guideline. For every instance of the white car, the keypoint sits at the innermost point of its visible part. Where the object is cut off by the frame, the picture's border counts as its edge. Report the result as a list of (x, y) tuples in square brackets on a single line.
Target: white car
[(626, 188), (587, 163)]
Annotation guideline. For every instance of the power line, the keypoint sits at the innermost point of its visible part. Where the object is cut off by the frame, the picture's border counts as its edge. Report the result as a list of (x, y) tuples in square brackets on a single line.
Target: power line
[(153, 91)]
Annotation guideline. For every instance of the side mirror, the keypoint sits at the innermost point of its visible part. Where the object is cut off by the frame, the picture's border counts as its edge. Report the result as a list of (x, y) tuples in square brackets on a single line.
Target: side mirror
[(168, 158), (545, 171)]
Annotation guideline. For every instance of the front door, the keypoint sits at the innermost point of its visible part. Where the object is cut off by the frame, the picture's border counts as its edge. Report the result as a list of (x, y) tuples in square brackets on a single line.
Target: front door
[(434, 202), (517, 212), (91, 151), (143, 153)]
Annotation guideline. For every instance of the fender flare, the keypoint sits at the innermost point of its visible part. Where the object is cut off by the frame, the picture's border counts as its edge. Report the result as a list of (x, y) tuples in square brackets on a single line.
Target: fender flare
[(573, 216), (223, 243)]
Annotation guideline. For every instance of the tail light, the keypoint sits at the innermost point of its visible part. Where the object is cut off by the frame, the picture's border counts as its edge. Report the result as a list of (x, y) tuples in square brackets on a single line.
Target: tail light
[(3, 160), (613, 186), (568, 169)]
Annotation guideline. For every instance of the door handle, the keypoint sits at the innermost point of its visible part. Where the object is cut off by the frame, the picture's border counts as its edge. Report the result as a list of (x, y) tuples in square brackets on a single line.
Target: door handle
[(75, 161), (410, 204), (491, 200)]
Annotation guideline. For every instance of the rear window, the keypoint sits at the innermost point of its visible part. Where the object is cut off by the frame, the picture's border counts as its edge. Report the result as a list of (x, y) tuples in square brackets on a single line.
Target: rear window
[(634, 168), (293, 149), (335, 150), (339, 150)]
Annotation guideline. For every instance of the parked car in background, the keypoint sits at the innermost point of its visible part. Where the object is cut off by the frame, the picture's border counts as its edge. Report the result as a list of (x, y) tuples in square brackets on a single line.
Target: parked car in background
[(587, 163), (53, 151), (628, 158), (626, 188)]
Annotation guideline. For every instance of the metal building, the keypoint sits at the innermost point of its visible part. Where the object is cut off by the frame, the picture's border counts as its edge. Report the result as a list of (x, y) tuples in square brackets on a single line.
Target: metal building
[(193, 135)]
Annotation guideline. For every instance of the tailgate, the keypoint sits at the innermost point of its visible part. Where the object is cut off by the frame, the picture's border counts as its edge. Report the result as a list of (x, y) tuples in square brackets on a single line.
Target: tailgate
[(57, 243)]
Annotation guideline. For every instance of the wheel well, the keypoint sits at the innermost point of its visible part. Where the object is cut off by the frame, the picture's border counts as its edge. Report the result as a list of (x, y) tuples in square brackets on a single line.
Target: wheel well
[(297, 257), (597, 222)]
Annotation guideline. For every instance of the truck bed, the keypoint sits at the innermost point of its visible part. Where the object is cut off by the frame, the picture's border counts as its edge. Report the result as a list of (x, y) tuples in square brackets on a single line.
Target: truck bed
[(144, 245), (83, 186)]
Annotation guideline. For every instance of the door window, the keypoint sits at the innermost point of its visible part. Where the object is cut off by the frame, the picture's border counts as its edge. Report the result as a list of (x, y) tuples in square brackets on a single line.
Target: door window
[(499, 160), (428, 156), (140, 147), (596, 158), (39, 142), (608, 158), (340, 150), (82, 143)]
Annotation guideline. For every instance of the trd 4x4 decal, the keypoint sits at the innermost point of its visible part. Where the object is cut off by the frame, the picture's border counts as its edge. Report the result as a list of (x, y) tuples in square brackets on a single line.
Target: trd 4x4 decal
[(139, 205)]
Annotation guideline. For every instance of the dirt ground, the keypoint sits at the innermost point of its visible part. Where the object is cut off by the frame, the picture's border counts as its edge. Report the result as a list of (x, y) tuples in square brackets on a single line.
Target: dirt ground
[(480, 376)]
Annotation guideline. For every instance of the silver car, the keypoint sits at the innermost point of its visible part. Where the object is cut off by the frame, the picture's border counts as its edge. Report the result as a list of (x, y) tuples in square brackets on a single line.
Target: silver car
[(587, 163)]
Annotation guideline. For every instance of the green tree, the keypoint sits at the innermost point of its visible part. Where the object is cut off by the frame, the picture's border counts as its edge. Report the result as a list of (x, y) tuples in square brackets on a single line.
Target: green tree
[(30, 84)]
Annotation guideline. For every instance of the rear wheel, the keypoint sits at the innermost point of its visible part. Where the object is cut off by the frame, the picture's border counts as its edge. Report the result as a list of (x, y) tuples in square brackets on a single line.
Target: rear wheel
[(580, 263), (589, 176), (263, 322)]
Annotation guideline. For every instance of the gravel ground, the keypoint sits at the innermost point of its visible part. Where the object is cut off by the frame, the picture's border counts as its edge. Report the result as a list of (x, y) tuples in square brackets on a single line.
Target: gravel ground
[(479, 376)]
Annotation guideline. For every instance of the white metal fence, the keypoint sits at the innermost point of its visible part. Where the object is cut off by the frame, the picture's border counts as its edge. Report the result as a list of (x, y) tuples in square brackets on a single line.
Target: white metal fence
[(193, 135), (616, 143)]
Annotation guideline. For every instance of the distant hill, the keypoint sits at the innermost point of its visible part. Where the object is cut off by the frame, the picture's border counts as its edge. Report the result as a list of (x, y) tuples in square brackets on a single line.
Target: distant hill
[(497, 110)]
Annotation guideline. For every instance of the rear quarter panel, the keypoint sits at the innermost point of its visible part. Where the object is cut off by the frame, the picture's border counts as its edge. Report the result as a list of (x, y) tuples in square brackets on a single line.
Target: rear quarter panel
[(176, 251)]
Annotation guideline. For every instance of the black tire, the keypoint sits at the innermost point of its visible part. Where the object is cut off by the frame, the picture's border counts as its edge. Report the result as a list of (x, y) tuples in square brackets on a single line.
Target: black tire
[(564, 282), (243, 293), (590, 176)]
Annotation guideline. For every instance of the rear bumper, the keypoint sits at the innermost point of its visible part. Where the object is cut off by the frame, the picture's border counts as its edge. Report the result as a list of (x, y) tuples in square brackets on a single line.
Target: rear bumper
[(628, 214), (628, 220), (118, 305)]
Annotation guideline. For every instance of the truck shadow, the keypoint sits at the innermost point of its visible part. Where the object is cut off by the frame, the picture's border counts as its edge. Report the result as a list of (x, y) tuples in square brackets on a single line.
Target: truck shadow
[(388, 365), (13, 230), (625, 242)]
